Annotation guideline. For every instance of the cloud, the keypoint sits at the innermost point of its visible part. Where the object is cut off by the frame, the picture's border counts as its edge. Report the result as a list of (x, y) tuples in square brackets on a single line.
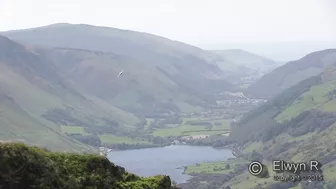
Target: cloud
[(187, 20)]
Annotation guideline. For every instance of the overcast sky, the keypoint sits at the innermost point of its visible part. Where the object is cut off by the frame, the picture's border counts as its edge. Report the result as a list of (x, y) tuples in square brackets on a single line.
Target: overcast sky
[(192, 21), (205, 23)]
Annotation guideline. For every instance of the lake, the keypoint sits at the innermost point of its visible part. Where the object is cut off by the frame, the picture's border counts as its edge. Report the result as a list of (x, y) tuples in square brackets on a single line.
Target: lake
[(167, 160)]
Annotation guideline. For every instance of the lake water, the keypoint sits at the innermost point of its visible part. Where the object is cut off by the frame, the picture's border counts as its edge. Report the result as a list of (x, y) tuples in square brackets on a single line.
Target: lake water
[(167, 160)]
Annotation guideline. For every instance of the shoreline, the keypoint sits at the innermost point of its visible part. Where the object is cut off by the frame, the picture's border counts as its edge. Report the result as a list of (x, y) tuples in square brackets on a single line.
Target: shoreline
[(233, 151)]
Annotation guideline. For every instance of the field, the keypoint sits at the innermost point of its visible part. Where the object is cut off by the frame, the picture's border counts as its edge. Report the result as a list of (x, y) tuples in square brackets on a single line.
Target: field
[(111, 139), (73, 130), (179, 131), (191, 130), (221, 167), (316, 97)]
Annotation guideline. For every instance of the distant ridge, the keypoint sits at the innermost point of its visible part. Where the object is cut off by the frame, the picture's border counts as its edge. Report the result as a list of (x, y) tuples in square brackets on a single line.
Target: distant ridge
[(292, 73)]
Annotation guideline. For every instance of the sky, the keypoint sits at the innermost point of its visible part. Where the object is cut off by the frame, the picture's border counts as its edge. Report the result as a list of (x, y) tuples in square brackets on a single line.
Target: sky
[(197, 22)]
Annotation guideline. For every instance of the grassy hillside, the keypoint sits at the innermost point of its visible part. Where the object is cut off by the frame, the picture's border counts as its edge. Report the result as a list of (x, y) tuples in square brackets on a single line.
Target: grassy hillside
[(66, 82), (157, 59), (143, 87), (292, 73), (74, 83), (36, 101), (30, 167), (297, 125)]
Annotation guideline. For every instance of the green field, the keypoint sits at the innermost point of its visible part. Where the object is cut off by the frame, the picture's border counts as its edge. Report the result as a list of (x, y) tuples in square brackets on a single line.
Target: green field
[(316, 97), (187, 130), (178, 131), (186, 119), (225, 124), (214, 167), (73, 130), (112, 139), (191, 130)]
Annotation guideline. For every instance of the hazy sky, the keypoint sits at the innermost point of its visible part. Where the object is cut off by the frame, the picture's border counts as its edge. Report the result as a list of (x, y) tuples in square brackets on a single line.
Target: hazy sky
[(191, 21)]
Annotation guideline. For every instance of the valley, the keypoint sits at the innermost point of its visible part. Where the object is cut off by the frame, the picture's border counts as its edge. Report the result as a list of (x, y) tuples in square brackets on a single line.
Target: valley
[(175, 128), (193, 108)]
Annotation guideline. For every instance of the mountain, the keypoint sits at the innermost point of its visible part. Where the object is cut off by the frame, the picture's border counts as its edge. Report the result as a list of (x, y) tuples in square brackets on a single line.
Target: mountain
[(292, 73), (280, 51), (244, 58), (63, 77), (36, 101), (157, 70), (250, 66), (297, 125)]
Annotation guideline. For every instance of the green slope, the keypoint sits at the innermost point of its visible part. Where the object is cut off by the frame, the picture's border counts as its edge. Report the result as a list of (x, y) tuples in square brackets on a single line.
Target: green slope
[(292, 73), (37, 101), (297, 125), (138, 90), (28, 167), (185, 65), (66, 86)]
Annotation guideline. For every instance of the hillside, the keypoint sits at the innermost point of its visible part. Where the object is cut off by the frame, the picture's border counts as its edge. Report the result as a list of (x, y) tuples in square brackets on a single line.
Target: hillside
[(170, 61), (244, 58), (64, 81), (292, 73), (36, 101), (145, 90), (298, 125), (249, 65), (31, 167)]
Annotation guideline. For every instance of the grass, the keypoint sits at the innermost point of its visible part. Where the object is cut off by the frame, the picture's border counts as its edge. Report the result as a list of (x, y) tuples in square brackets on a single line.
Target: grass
[(330, 106), (329, 171), (191, 130), (179, 131), (187, 130), (309, 147), (246, 180), (112, 139), (225, 124), (211, 132), (316, 97), (253, 146), (186, 119), (73, 130), (214, 167)]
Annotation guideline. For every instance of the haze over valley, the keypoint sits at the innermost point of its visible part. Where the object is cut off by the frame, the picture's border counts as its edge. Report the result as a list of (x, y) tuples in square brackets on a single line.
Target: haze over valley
[(154, 100)]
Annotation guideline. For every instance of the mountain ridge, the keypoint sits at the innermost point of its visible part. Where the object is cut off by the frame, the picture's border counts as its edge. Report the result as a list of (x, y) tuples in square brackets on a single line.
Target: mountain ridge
[(183, 64), (291, 73)]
